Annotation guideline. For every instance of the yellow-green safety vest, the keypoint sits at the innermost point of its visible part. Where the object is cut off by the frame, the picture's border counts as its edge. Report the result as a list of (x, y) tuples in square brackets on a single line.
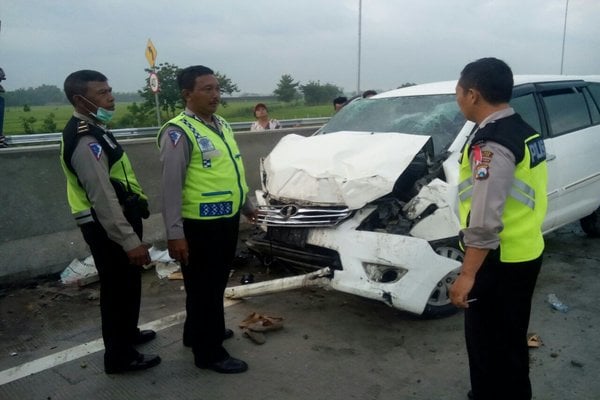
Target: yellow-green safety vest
[(120, 168), (215, 182), (525, 208)]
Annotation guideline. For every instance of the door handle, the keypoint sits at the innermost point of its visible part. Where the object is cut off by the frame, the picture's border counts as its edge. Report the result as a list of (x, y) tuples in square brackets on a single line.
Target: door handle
[(550, 157)]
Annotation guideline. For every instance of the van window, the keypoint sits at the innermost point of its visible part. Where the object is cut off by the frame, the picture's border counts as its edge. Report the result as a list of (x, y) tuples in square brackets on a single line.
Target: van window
[(525, 106), (567, 110), (594, 103), (595, 90), (592, 107)]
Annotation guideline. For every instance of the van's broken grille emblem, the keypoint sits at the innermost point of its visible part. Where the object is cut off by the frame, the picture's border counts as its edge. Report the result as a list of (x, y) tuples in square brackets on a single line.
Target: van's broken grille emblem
[(288, 211), (301, 216)]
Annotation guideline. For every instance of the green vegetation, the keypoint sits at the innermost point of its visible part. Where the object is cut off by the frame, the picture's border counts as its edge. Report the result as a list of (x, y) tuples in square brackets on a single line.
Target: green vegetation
[(238, 110), (44, 109)]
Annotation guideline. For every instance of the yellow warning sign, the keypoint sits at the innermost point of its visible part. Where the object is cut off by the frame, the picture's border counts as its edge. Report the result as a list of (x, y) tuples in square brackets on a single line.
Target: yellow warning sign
[(151, 53)]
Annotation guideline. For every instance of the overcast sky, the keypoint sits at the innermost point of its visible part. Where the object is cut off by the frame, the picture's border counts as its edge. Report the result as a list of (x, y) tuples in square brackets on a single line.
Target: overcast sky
[(255, 42)]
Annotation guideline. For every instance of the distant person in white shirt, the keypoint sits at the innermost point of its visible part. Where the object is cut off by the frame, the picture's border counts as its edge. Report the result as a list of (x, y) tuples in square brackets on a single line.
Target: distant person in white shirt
[(263, 123)]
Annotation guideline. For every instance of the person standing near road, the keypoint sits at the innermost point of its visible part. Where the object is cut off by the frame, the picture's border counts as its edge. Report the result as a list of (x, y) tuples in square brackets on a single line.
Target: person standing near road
[(204, 190), (108, 204), (502, 204), (339, 102), (263, 122)]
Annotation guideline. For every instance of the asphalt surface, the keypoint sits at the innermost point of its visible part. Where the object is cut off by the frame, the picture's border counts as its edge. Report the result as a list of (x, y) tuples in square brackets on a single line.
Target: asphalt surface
[(332, 346)]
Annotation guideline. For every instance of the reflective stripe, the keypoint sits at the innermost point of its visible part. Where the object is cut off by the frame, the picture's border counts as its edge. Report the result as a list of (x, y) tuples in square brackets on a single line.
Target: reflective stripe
[(464, 184), (520, 191), (523, 193), (525, 188), (467, 194), (521, 198), (83, 217)]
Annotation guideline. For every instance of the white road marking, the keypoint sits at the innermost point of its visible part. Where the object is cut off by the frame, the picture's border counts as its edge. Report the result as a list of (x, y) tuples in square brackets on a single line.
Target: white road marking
[(56, 359)]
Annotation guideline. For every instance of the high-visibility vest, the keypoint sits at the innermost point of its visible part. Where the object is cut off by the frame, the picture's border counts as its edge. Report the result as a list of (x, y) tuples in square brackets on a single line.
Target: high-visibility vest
[(120, 169), (215, 182), (525, 208)]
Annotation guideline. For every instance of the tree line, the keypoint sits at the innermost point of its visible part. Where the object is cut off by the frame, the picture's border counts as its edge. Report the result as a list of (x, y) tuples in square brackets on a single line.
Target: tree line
[(49, 94), (142, 110), (287, 90)]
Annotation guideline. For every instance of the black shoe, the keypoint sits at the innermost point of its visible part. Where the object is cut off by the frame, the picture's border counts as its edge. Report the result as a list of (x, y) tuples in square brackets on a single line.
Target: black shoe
[(144, 336), (470, 395), (228, 334), (143, 361), (228, 365)]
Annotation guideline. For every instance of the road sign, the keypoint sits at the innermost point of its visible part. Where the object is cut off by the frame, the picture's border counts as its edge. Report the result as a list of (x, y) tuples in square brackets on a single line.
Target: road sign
[(151, 53), (153, 82)]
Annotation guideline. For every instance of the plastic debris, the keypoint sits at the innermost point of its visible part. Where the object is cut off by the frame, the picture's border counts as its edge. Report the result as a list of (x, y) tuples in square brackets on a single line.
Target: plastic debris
[(84, 272), (165, 269), (533, 340), (78, 271), (255, 325), (557, 304)]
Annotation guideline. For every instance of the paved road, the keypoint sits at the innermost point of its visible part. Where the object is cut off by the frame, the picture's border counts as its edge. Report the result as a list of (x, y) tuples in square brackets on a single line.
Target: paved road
[(333, 345)]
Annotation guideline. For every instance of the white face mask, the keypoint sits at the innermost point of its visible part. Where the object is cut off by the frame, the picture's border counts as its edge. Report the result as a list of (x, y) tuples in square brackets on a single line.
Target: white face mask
[(102, 114)]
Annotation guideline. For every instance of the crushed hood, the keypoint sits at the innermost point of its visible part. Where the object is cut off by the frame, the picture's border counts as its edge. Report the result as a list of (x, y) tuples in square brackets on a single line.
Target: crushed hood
[(349, 168)]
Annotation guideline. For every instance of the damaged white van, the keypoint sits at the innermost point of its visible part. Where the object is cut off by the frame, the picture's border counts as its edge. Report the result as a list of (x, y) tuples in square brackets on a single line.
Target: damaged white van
[(370, 200)]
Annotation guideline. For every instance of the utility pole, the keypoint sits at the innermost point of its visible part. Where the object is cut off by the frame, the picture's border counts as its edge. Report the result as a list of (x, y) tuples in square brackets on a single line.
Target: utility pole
[(359, 40), (2, 77), (562, 57)]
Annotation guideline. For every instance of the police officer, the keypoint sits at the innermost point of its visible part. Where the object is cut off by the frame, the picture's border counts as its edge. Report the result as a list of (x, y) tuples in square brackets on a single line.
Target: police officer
[(108, 204), (203, 193), (502, 204)]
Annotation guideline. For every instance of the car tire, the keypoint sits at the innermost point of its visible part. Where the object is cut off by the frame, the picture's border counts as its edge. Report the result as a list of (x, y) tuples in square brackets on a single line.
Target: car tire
[(591, 224), (439, 304)]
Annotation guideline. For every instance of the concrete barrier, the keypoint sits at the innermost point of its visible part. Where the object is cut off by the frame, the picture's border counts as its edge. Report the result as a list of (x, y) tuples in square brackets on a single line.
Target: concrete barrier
[(38, 235)]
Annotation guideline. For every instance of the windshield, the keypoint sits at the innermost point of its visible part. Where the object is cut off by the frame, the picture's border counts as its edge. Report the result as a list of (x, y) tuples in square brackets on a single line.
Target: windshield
[(437, 116)]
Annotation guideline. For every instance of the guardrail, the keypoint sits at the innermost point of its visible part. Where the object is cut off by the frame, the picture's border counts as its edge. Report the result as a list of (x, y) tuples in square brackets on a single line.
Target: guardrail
[(130, 133)]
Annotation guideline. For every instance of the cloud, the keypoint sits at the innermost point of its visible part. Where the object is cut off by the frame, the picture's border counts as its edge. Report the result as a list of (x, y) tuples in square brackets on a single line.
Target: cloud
[(256, 42)]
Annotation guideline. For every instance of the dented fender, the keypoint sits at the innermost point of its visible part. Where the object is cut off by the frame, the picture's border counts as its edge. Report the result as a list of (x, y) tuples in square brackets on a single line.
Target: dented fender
[(417, 267)]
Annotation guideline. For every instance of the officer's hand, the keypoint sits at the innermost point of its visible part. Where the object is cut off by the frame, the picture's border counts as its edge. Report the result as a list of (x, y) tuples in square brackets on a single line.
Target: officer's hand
[(178, 249), (251, 215), (459, 291), (139, 256)]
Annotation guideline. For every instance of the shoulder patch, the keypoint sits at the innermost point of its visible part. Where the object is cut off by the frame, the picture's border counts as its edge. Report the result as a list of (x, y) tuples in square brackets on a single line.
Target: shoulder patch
[(96, 150), (174, 136), (482, 172), (82, 127), (481, 162)]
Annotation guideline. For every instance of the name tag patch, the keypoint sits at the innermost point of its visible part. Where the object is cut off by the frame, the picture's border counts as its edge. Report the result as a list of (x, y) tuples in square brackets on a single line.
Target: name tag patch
[(216, 209), (205, 144)]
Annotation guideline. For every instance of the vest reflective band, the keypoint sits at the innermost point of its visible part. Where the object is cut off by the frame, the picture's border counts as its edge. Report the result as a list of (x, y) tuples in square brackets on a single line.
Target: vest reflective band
[(215, 183), (524, 211), (119, 169)]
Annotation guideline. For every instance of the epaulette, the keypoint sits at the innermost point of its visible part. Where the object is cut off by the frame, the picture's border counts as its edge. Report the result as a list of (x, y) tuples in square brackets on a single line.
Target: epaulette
[(83, 127)]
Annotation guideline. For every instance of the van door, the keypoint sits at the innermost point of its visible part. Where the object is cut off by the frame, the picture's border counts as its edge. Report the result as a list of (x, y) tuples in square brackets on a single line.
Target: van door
[(573, 121)]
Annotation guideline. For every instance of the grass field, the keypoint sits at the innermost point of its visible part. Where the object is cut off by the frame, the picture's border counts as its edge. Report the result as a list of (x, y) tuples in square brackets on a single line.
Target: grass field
[(234, 111)]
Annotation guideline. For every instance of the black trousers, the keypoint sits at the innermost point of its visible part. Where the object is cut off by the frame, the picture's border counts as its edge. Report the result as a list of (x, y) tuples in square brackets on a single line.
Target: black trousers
[(496, 329), (212, 245), (120, 292)]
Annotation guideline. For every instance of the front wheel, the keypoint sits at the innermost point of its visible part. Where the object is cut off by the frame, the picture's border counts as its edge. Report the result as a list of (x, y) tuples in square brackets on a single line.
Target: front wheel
[(439, 304), (591, 224)]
